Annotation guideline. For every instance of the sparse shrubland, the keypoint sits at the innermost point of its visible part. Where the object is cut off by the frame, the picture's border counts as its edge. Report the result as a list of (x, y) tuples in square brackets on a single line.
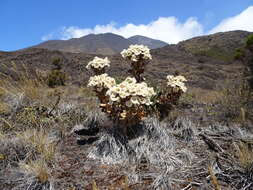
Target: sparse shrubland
[(124, 133)]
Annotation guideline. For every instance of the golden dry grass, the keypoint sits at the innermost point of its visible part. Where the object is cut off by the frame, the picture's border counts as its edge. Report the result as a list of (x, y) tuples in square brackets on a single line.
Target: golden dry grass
[(40, 140), (37, 168), (213, 179), (2, 134), (204, 96), (32, 87), (245, 155), (4, 108)]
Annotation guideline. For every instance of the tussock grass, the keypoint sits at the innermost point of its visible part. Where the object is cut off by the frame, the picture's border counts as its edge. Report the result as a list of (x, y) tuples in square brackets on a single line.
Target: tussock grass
[(14, 150), (153, 146), (41, 142), (22, 87), (245, 155), (184, 129), (37, 168), (214, 180), (236, 100)]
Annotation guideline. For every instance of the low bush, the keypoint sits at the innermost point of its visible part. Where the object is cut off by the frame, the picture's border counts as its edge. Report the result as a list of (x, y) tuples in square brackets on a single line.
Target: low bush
[(239, 54), (56, 77), (127, 103), (249, 41)]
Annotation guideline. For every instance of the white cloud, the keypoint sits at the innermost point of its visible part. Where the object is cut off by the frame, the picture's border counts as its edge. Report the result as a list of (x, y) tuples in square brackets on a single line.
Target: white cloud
[(168, 29), (242, 21)]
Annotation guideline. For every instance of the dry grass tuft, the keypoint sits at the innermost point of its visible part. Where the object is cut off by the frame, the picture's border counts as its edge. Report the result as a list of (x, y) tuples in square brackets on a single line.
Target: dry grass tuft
[(41, 142), (213, 178), (22, 81), (37, 168), (245, 155)]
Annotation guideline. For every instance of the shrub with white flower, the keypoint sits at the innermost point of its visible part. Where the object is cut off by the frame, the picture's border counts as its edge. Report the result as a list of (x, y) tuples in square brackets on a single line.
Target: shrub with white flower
[(131, 93), (170, 95), (138, 55), (98, 65), (100, 84), (177, 82), (128, 102)]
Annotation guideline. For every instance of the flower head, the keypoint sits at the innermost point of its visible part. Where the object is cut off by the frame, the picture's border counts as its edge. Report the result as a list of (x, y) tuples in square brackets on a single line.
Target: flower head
[(177, 82), (100, 82), (98, 63), (136, 52), (131, 92)]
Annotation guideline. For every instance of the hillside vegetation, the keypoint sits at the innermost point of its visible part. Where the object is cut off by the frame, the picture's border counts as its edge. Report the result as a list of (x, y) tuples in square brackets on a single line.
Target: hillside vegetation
[(54, 136)]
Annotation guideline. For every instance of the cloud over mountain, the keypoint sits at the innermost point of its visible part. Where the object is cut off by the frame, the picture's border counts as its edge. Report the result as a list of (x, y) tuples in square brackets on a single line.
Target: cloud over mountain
[(168, 29), (242, 21)]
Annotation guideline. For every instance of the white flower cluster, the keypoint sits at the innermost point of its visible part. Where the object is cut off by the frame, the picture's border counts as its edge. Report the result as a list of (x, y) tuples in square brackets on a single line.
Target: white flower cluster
[(135, 93), (135, 52), (100, 82), (98, 63), (177, 81)]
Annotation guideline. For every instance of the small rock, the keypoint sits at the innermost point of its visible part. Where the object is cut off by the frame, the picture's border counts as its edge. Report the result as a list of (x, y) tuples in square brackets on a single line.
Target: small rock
[(85, 131)]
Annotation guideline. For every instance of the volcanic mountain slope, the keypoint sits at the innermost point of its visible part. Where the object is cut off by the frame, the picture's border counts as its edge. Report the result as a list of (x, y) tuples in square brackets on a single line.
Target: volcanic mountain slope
[(106, 44), (221, 45), (151, 43), (202, 70)]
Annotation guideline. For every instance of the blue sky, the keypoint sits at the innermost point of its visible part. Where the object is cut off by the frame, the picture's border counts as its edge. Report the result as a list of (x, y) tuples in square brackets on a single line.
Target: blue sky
[(28, 22)]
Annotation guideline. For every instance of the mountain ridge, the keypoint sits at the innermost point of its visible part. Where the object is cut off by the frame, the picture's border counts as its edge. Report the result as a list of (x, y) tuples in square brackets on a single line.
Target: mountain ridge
[(106, 44)]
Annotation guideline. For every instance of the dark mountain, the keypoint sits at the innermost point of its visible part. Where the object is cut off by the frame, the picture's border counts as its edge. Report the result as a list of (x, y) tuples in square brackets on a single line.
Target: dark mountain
[(151, 43), (106, 44)]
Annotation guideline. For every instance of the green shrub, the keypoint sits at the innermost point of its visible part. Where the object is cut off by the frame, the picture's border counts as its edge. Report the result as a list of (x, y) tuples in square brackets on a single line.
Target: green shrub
[(237, 100), (57, 63), (249, 41), (56, 78), (239, 54)]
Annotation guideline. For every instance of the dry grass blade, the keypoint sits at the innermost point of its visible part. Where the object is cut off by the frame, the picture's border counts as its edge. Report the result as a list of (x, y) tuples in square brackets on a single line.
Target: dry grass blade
[(213, 179), (245, 155), (94, 185)]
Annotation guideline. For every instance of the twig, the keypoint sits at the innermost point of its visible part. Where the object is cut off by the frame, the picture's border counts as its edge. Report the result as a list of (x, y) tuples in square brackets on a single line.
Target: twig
[(191, 184), (211, 144), (56, 104), (6, 122)]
